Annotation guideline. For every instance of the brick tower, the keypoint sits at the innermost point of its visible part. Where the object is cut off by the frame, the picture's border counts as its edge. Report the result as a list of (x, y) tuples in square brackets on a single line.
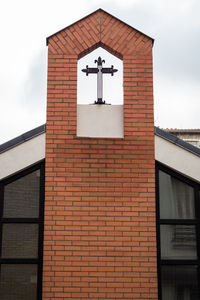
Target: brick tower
[(100, 228)]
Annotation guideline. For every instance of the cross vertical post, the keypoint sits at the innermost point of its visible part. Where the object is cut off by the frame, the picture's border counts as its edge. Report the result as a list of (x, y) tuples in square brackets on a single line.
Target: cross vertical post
[(99, 80)]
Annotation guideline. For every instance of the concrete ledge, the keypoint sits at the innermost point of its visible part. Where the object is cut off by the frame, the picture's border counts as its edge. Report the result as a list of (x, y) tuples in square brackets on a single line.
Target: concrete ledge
[(100, 121)]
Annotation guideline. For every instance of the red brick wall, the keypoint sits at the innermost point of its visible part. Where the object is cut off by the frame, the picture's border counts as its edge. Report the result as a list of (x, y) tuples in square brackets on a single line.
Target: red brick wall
[(100, 233)]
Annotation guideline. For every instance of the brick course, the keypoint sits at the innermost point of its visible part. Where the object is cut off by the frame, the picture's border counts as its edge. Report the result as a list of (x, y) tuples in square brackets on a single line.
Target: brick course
[(100, 231)]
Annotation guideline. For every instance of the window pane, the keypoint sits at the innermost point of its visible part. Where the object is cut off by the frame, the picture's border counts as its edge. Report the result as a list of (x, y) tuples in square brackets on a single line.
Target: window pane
[(18, 282), (176, 198), (21, 197), (178, 242), (179, 283), (20, 241)]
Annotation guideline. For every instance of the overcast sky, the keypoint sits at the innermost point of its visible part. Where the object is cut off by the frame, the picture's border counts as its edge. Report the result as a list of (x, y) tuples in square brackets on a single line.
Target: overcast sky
[(174, 24)]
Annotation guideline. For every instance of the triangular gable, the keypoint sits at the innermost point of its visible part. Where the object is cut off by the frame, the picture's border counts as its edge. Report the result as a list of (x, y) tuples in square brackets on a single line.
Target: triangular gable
[(99, 29)]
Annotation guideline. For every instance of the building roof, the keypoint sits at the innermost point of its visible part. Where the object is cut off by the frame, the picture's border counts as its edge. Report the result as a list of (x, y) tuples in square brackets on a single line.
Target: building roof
[(22, 138), (175, 140), (98, 10)]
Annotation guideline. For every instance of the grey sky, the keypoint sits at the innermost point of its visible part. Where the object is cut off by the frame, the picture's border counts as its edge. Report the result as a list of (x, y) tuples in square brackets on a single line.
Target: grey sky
[(174, 24)]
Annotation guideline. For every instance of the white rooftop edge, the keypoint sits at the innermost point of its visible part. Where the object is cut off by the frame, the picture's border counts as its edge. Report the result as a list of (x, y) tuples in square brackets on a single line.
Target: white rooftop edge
[(177, 158), (23, 155)]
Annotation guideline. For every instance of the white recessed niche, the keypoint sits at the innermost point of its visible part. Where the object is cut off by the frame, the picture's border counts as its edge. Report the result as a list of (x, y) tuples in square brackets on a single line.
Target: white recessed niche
[(100, 120)]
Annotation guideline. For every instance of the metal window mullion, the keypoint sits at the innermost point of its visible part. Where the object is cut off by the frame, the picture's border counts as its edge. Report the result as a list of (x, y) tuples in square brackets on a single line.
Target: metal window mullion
[(41, 230), (181, 262), (19, 261), (1, 214), (158, 233), (20, 220), (197, 213), (178, 222)]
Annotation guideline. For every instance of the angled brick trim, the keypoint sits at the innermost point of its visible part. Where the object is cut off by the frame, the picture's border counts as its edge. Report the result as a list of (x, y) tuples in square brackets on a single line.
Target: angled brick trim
[(99, 29)]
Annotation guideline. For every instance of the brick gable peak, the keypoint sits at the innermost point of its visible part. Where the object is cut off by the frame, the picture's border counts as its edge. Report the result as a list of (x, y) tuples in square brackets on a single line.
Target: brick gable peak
[(98, 29)]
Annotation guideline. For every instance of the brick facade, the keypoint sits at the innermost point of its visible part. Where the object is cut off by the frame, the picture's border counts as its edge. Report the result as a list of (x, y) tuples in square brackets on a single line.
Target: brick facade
[(100, 232)]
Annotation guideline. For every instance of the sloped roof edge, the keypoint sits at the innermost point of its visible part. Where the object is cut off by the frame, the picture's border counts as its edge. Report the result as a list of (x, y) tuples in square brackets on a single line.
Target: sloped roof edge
[(100, 9), (23, 138), (175, 140)]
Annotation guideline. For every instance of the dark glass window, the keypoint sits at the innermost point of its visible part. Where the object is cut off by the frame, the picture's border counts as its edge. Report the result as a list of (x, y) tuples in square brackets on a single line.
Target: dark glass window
[(21, 197), (20, 241), (176, 198), (179, 283), (21, 235), (178, 224), (178, 242), (18, 282)]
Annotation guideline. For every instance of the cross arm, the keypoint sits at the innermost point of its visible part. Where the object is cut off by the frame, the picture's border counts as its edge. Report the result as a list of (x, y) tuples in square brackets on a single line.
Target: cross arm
[(109, 70), (90, 70)]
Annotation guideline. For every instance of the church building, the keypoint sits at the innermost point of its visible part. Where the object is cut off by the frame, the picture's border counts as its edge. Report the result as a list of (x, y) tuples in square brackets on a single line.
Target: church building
[(98, 203)]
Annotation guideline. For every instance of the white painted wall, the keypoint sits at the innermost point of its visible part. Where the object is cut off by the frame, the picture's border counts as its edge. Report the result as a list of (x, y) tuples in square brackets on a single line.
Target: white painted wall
[(177, 158), (100, 121), (22, 156)]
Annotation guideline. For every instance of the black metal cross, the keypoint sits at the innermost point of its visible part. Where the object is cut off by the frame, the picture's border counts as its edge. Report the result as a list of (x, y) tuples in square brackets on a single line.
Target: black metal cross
[(99, 71)]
